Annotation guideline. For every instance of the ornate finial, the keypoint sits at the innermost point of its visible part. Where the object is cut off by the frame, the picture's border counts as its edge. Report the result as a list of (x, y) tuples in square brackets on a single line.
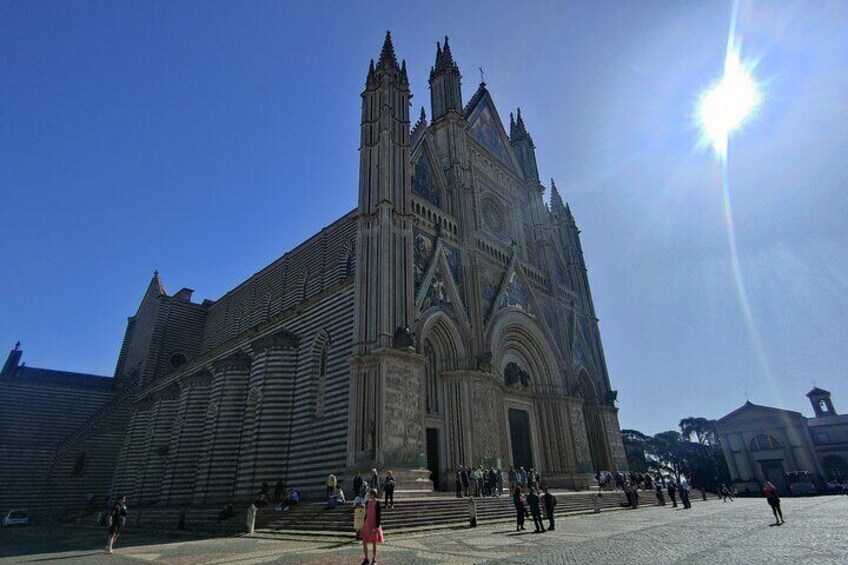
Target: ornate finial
[(387, 55), (156, 273), (482, 74), (17, 345)]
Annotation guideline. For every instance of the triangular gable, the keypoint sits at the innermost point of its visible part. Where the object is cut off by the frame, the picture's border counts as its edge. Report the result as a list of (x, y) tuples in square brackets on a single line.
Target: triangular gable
[(439, 287), (514, 292), (749, 410), (487, 129), (427, 179)]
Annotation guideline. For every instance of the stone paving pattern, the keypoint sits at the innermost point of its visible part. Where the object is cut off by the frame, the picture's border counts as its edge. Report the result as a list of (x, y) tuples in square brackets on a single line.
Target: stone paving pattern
[(714, 532)]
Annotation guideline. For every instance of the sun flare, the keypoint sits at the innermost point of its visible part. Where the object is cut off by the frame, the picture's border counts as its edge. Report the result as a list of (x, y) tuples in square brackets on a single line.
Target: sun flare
[(729, 103)]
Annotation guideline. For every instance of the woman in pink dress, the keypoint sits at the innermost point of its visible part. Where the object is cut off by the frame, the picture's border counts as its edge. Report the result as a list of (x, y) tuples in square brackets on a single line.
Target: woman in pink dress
[(371, 531)]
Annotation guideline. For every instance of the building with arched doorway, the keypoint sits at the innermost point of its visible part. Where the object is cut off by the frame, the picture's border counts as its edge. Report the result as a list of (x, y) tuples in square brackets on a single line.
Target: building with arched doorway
[(761, 443), (446, 320)]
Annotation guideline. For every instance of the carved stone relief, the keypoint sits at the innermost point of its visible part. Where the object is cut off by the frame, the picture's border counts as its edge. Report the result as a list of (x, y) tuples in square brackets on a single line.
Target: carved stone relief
[(404, 425), (581, 442)]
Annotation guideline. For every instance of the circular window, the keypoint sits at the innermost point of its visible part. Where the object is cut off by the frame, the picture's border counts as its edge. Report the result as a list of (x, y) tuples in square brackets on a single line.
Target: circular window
[(493, 219), (177, 360)]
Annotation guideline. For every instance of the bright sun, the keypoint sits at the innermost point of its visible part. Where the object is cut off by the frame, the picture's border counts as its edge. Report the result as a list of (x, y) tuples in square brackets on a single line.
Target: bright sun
[(728, 103)]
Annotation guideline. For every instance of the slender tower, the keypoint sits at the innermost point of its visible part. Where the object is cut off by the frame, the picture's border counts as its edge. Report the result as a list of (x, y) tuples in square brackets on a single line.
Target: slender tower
[(387, 376), (384, 290)]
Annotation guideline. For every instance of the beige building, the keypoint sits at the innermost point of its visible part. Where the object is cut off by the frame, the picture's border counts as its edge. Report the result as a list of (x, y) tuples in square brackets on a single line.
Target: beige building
[(764, 444), (445, 320)]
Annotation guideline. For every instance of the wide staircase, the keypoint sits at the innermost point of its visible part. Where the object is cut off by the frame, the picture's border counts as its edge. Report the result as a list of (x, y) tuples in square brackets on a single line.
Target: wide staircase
[(435, 512)]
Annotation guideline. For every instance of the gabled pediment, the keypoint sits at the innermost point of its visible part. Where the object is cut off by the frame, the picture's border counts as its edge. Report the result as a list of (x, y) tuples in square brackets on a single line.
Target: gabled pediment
[(750, 412), (440, 285), (514, 293), (486, 127), (428, 181)]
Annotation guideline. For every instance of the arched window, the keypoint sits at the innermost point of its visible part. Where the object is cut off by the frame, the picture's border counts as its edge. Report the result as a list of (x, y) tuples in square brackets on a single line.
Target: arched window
[(764, 442), (319, 368), (431, 364), (80, 463)]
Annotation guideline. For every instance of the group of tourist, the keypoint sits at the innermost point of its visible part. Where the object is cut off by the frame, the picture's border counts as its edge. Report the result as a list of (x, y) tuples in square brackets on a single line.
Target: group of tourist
[(478, 481), (532, 504)]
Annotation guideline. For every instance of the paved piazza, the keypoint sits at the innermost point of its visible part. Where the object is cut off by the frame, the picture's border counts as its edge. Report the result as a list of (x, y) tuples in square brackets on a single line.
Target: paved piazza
[(711, 532)]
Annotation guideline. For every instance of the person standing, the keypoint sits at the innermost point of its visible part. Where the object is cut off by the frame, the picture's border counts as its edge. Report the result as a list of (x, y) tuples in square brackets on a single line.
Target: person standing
[(684, 492), (774, 501), (358, 481), (466, 480), (660, 496), (459, 482), (671, 494), (520, 511), (512, 479), (522, 478), (372, 532), (535, 510), (389, 489), (279, 490), (374, 481), (116, 520), (549, 501)]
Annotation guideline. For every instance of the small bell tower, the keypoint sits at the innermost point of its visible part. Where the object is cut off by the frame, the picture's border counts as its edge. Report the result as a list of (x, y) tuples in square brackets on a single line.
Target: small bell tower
[(822, 405)]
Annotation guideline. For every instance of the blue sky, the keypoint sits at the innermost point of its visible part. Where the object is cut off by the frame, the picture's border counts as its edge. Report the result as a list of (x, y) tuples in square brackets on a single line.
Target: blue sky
[(204, 139)]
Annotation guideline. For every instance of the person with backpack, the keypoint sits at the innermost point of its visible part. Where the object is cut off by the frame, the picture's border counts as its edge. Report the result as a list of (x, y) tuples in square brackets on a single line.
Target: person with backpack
[(115, 521)]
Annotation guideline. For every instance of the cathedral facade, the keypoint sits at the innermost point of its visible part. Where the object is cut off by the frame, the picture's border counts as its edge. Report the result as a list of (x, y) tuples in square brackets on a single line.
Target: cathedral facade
[(446, 320)]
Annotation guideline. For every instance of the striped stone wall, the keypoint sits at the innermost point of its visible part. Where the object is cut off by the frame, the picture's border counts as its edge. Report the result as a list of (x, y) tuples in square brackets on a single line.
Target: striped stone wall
[(39, 408)]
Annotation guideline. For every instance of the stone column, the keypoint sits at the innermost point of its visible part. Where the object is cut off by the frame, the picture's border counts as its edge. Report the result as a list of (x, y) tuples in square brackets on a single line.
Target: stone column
[(615, 445), (265, 428), (222, 430), (387, 429), (187, 438), (557, 458), (158, 439)]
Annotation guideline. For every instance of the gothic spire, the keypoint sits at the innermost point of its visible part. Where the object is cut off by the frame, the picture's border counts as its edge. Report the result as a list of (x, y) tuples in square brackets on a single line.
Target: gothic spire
[(371, 79), (422, 119), (517, 130), (387, 55), (444, 60), (557, 205), (403, 78)]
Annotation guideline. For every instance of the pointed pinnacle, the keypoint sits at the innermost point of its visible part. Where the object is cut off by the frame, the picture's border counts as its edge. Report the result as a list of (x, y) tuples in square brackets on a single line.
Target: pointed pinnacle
[(403, 76), (423, 117), (387, 55), (447, 53)]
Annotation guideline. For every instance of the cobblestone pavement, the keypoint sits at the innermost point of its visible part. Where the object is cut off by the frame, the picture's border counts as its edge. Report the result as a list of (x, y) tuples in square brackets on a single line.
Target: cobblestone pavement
[(711, 532)]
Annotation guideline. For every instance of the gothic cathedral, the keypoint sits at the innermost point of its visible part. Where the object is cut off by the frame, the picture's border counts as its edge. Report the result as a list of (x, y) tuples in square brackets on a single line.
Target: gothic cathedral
[(446, 320)]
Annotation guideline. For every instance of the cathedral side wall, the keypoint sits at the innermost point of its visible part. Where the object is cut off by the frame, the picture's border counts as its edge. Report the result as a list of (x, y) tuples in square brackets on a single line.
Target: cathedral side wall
[(306, 271), (36, 414)]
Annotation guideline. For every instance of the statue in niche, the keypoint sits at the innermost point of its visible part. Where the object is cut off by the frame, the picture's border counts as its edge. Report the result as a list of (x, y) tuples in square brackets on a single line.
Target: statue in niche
[(515, 376), (403, 339), (484, 362)]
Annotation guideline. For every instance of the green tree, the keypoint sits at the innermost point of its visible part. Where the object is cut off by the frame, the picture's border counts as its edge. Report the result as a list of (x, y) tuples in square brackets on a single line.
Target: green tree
[(703, 429), (634, 448), (667, 453)]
